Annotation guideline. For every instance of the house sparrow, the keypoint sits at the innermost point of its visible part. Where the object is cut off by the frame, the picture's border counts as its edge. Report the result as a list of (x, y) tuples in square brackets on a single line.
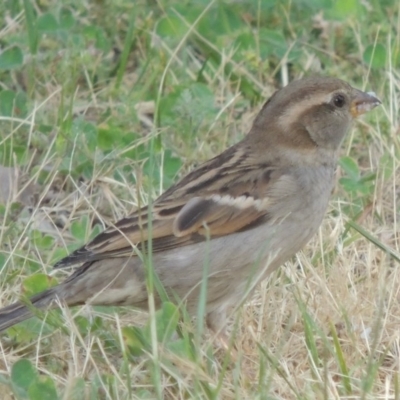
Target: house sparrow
[(242, 213)]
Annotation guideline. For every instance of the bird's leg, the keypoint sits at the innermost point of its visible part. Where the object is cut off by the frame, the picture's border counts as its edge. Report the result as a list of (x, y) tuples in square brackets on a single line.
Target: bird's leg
[(217, 322)]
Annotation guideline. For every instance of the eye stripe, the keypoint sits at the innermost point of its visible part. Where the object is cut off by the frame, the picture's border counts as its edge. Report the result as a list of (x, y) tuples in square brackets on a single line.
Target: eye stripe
[(296, 109)]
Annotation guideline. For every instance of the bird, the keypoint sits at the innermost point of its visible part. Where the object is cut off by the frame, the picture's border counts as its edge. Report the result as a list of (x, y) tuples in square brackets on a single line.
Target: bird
[(238, 216)]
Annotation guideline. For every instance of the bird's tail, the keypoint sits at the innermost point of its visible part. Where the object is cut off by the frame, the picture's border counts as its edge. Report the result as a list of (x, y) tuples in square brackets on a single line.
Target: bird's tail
[(18, 312)]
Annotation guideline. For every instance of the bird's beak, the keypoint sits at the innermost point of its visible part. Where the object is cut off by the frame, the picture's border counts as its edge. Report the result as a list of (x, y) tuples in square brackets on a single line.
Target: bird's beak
[(363, 102)]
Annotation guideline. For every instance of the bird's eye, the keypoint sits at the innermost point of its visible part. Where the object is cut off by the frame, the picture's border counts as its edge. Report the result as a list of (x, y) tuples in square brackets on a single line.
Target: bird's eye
[(339, 100)]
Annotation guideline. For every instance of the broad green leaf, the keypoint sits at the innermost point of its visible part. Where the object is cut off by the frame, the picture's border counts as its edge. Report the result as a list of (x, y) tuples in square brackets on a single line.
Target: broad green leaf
[(47, 23), (136, 340), (23, 374), (221, 20), (11, 58), (7, 98), (273, 41), (43, 389), (167, 320), (37, 283), (66, 19), (79, 229), (172, 26), (350, 167)]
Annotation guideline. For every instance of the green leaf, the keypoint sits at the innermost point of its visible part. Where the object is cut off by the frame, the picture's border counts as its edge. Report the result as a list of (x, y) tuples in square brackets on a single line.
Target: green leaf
[(41, 240), (7, 98), (37, 283), (47, 23), (106, 137), (167, 320), (83, 325), (13, 103), (350, 167), (23, 374), (66, 19), (343, 9), (136, 340), (61, 253), (86, 131), (79, 229), (375, 56), (11, 152), (220, 20), (273, 42), (97, 34), (179, 347), (172, 26), (245, 41), (43, 389), (11, 58), (95, 231)]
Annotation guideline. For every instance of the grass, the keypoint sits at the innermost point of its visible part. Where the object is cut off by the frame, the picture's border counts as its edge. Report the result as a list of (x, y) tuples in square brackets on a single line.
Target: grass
[(104, 104)]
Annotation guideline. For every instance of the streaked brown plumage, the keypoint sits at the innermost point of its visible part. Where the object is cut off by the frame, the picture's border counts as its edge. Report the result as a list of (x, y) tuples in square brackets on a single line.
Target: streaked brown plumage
[(259, 202)]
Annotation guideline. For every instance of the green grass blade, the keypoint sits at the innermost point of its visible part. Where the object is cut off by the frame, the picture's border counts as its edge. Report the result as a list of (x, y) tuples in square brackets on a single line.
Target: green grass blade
[(374, 240)]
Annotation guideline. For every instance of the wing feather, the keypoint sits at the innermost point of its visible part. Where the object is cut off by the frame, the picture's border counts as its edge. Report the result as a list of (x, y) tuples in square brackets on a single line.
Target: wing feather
[(225, 195)]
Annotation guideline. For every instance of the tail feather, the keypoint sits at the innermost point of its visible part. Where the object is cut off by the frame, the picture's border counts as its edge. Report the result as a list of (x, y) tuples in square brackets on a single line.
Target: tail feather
[(18, 312)]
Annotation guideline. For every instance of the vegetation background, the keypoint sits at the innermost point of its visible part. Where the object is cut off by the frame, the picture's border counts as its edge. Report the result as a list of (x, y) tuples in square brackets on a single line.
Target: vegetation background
[(103, 104)]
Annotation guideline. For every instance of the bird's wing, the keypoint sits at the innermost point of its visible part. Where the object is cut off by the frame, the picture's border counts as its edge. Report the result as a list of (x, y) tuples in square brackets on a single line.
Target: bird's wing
[(225, 195)]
